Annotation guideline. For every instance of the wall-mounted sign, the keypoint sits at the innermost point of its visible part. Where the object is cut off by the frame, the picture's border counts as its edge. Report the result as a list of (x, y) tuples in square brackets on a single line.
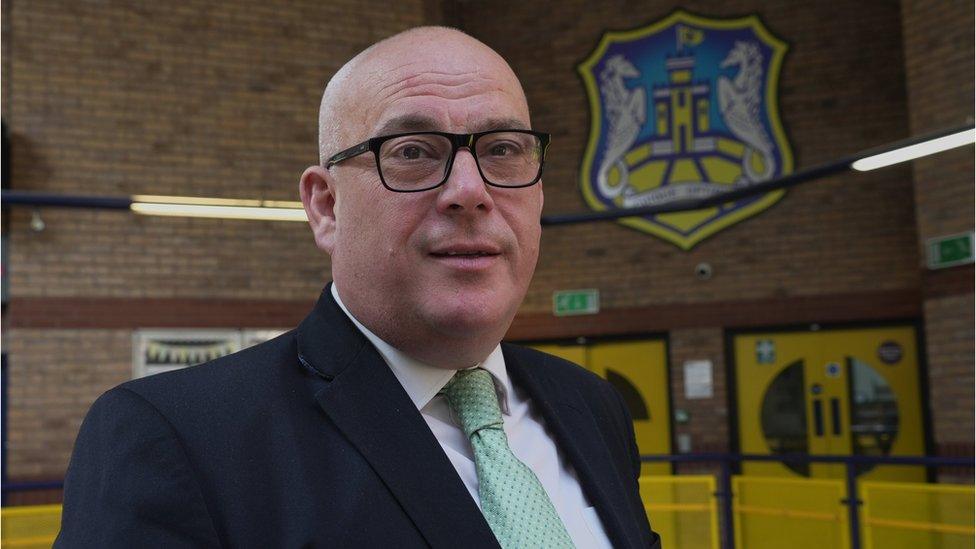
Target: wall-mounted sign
[(576, 302), (684, 108), (160, 350), (949, 251), (698, 379)]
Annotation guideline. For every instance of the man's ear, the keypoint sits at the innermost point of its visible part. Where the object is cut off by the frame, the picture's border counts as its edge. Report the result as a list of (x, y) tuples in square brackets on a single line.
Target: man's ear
[(317, 188)]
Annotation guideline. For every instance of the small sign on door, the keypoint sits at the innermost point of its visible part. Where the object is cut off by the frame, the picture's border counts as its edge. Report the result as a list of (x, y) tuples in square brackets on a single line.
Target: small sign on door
[(765, 351)]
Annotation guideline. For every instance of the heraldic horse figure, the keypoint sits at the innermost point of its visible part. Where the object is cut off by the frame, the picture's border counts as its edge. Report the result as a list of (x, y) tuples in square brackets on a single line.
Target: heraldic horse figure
[(739, 102), (626, 111)]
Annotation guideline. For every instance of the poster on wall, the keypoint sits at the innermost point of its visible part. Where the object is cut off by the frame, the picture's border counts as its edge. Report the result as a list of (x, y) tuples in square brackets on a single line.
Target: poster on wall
[(161, 350), (684, 108)]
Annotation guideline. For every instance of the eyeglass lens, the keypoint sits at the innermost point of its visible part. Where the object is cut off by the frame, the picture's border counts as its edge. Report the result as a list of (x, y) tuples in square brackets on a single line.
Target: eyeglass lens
[(419, 161)]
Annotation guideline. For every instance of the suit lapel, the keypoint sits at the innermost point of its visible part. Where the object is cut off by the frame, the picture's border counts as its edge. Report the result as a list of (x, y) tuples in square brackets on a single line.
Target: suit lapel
[(579, 438), (360, 394)]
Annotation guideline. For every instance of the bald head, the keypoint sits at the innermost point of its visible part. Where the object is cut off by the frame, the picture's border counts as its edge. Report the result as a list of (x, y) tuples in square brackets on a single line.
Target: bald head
[(387, 68)]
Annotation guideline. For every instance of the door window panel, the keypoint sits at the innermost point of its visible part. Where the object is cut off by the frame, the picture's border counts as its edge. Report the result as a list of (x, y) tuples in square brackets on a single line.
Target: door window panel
[(784, 416), (874, 411)]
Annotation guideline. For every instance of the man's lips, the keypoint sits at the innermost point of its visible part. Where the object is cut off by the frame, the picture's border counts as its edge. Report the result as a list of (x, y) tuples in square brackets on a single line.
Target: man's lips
[(466, 257), (466, 251), (463, 254)]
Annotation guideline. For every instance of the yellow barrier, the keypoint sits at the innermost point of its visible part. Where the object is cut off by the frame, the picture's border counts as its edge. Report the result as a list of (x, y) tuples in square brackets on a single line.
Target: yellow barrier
[(918, 515), (33, 526), (807, 513), (682, 509), (767, 511)]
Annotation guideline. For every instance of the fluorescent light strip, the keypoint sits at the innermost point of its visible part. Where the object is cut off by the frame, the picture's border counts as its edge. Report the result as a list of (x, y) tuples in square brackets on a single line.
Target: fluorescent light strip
[(918, 150), (282, 204), (221, 212), (199, 200)]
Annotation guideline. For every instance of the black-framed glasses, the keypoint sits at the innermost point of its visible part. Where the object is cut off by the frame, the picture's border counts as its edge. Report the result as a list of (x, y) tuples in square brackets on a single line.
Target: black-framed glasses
[(420, 161)]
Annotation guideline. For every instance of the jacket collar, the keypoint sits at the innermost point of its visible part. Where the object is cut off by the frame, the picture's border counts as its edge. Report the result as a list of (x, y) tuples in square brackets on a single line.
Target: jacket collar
[(356, 389)]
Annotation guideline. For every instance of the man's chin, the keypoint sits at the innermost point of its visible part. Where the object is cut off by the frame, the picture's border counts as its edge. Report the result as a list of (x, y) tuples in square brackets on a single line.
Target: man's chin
[(461, 321)]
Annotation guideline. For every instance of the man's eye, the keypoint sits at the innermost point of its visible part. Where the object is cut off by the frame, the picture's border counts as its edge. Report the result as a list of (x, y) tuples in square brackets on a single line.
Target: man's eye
[(503, 149), (411, 152)]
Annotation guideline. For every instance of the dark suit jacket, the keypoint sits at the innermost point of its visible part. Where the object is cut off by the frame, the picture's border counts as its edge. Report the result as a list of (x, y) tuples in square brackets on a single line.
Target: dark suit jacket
[(308, 440)]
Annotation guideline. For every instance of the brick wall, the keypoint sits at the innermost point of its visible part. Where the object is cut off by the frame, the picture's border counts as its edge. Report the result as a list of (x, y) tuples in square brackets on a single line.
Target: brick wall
[(54, 376), (949, 331), (939, 70), (191, 98), (707, 426)]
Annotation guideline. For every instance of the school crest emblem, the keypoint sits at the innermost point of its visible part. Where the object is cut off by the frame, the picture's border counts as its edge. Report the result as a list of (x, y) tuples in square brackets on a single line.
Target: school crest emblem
[(684, 108)]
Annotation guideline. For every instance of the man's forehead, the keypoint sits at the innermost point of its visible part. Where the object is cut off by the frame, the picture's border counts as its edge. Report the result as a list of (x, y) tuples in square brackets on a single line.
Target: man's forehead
[(422, 96), (453, 66)]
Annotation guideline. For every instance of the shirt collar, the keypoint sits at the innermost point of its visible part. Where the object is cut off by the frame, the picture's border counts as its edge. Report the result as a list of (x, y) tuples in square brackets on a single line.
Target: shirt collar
[(422, 381)]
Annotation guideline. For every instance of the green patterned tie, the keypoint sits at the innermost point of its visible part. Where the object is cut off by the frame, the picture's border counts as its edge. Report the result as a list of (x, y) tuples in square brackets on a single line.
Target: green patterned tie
[(513, 501)]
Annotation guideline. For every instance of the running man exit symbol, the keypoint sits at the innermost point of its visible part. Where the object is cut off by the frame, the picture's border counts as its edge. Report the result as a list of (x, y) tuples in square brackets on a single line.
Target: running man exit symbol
[(949, 251), (765, 351), (576, 302)]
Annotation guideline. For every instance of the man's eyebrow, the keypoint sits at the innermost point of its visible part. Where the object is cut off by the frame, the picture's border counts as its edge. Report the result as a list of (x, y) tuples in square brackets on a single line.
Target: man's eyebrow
[(407, 123), (501, 124), (420, 123)]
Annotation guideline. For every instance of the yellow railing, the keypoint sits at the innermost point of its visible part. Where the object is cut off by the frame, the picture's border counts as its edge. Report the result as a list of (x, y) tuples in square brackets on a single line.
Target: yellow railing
[(682, 509), (32, 526), (917, 515), (808, 513), (767, 511)]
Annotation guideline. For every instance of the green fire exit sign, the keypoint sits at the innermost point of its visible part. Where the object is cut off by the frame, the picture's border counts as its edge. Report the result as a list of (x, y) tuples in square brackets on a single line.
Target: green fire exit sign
[(949, 251), (576, 302)]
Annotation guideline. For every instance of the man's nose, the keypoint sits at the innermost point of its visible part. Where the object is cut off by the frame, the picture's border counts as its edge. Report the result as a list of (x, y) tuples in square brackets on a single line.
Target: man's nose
[(465, 189)]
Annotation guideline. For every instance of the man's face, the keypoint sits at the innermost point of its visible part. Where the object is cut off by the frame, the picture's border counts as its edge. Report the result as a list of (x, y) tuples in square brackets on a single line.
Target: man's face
[(450, 264)]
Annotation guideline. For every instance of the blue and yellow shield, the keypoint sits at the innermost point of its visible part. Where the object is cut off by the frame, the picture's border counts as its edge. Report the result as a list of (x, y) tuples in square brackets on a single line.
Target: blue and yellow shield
[(684, 108)]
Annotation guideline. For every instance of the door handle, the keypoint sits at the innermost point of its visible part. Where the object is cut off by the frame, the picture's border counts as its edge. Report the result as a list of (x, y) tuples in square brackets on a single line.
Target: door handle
[(818, 417), (835, 414)]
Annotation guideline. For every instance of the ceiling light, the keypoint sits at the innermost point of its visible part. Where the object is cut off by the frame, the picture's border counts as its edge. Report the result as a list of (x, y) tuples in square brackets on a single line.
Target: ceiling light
[(918, 150), (214, 211)]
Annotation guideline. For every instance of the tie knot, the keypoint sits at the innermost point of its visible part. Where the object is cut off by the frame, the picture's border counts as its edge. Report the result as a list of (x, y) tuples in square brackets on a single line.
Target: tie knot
[(471, 394)]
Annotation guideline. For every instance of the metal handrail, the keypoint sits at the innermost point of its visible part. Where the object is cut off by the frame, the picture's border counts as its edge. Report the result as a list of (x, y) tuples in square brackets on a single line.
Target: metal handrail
[(932, 461), (852, 501), (31, 486)]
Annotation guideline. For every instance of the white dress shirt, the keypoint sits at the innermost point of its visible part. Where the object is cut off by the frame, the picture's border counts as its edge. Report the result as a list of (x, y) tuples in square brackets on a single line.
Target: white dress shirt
[(526, 432)]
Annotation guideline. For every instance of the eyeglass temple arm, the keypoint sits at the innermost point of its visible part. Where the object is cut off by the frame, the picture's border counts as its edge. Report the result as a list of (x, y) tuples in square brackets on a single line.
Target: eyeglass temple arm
[(355, 150)]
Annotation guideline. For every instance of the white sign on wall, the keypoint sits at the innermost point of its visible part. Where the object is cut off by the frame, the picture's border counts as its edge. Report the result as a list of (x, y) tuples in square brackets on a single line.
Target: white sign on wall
[(698, 379), (160, 350)]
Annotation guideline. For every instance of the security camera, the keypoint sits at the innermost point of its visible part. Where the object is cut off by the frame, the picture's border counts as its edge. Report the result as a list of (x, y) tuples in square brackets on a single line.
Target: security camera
[(703, 271)]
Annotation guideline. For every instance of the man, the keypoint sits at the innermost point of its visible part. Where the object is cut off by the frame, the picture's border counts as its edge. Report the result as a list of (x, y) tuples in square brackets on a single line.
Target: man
[(391, 416)]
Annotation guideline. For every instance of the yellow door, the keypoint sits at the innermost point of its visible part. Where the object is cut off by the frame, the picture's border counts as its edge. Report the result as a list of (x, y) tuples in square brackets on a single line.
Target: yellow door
[(572, 353), (638, 369), (830, 392)]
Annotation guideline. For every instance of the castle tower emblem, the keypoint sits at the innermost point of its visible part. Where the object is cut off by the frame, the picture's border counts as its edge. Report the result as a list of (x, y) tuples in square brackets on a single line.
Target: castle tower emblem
[(684, 108)]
